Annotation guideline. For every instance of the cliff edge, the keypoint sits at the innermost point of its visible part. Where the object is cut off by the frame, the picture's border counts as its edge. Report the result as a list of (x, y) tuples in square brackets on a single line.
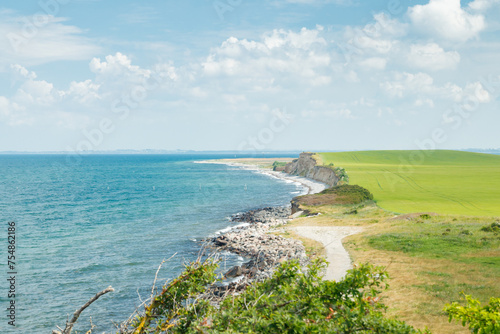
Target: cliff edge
[(306, 166)]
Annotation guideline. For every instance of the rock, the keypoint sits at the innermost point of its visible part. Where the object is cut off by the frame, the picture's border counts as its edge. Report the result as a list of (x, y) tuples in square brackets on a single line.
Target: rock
[(265, 251), (234, 272), (306, 166), (221, 242)]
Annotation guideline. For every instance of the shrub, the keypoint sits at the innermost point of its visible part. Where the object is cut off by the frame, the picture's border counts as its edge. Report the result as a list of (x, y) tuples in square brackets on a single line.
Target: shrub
[(343, 194), (494, 227), (293, 300), (349, 194), (341, 174), (279, 166), (480, 319)]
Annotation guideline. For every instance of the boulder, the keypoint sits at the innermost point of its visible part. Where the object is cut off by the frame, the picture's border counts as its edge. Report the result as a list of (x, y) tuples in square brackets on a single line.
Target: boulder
[(234, 272)]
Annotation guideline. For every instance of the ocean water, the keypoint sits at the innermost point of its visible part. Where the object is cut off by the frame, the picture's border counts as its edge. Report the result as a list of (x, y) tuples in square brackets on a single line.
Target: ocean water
[(82, 225)]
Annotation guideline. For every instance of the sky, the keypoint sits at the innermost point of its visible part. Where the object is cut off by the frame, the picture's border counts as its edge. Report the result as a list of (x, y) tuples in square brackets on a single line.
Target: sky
[(317, 75)]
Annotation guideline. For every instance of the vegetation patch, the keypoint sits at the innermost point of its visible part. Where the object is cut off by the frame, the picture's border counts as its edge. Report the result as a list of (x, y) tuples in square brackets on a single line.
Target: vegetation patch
[(279, 166), (445, 242), (431, 258), (494, 227), (480, 319), (440, 240), (292, 301), (343, 194)]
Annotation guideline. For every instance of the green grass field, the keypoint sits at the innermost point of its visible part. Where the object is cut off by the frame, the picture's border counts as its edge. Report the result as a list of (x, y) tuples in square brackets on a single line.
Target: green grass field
[(445, 182)]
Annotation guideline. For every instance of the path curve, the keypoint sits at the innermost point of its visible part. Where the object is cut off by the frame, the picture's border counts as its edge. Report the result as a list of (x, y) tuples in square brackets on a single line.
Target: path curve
[(331, 238)]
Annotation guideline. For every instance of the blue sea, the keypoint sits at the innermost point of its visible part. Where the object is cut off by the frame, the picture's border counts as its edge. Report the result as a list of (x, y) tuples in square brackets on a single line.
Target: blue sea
[(84, 224)]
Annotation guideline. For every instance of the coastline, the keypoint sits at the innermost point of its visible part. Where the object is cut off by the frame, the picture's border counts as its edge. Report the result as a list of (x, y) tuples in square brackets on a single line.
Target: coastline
[(310, 186), (247, 240)]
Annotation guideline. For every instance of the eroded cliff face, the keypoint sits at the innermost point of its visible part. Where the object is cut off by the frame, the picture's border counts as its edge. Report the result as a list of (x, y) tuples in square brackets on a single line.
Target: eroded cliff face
[(306, 166)]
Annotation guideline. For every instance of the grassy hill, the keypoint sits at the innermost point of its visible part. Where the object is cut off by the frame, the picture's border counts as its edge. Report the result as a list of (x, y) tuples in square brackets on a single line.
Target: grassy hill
[(445, 182)]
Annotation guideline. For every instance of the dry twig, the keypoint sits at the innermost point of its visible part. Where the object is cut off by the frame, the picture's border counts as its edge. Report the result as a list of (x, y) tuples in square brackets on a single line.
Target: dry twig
[(76, 315)]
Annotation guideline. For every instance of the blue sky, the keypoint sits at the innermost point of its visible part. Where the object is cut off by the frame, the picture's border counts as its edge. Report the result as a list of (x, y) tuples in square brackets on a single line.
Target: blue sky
[(249, 75)]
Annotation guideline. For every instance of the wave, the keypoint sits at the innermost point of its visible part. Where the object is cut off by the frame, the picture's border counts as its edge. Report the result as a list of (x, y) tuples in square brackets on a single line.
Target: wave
[(229, 228)]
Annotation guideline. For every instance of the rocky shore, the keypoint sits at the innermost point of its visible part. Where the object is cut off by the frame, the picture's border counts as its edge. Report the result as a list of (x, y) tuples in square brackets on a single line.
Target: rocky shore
[(262, 250)]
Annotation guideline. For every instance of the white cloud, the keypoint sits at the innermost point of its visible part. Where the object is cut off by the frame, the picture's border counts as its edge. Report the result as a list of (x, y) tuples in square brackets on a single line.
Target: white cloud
[(117, 65), (41, 102), (117, 75), (4, 106), (38, 92), (38, 39), (234, 98), (424, 102), (12, 113), (477, 92), (331, 113), (432, 57), (22, 73), (351, 77), (84, 91), (421, 86), (374, 63), (379, 37), (447, 20), (305, 39), (385, 27), (325, 108), (282, 68), (341, 113), (68, 120), (278, 56), (367, 43), (483, 5), (198, 92), (408, 83), (364, 102)]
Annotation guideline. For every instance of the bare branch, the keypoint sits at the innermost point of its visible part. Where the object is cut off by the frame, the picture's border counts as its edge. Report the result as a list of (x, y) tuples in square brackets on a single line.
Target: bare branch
[(156, 275), (76, 315)]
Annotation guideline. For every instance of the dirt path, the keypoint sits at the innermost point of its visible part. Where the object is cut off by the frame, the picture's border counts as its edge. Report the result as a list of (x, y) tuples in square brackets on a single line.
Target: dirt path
[(331, 237)]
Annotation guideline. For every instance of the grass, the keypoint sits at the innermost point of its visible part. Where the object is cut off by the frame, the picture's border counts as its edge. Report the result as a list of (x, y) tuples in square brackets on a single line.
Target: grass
[(445, 239), (430, 258), (445, 182)]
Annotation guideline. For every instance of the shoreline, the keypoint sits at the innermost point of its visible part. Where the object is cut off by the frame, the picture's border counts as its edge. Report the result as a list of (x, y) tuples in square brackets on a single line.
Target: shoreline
[(247, 240), (262, 251), (312, 186)]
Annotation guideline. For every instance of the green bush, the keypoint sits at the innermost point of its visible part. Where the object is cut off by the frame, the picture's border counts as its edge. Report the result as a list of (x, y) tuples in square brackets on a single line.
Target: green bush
[(493, 227), (480, 319), (341, 174), (277, 165), (350, 194), (294, 300)]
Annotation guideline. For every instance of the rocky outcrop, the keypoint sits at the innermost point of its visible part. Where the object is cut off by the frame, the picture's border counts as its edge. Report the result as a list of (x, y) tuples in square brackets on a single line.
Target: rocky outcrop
[(306, 166), (296, 207)]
